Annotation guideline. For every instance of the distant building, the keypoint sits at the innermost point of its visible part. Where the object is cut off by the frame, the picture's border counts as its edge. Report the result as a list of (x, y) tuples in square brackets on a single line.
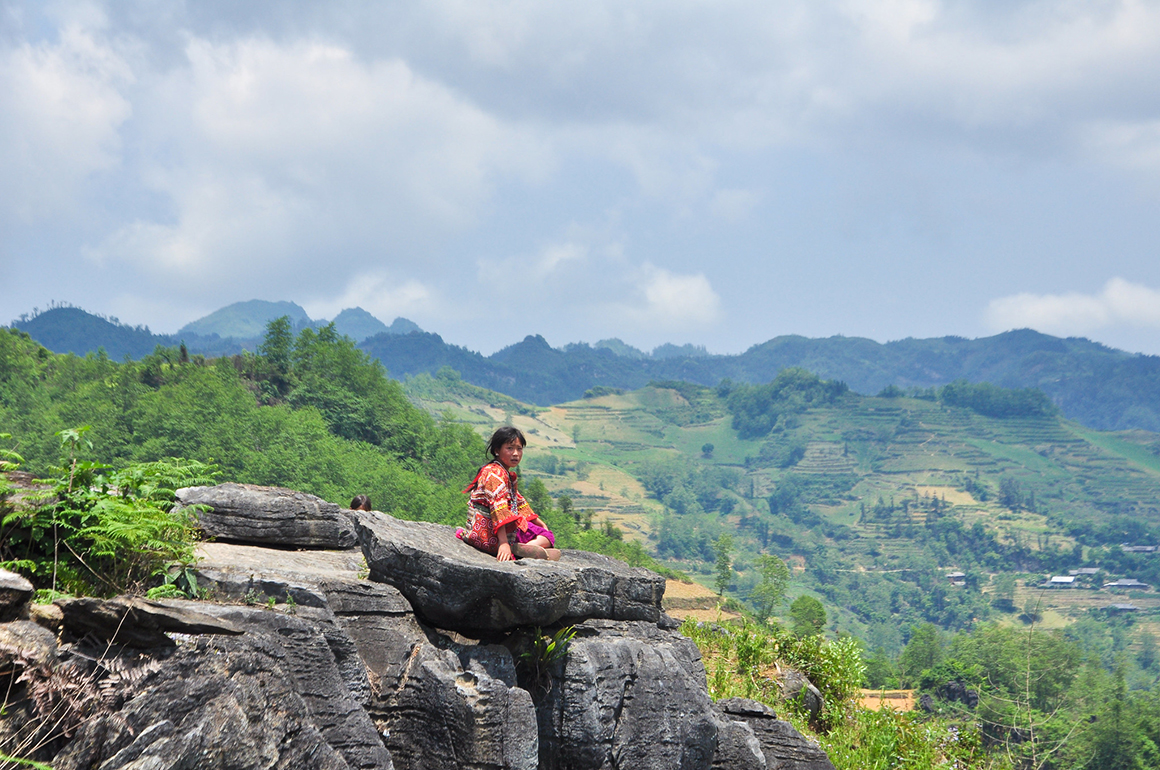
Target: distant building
[(957, 578), (1118, 608), (1061, 581), (1127, 583), (1138, 548), (1084, 572)]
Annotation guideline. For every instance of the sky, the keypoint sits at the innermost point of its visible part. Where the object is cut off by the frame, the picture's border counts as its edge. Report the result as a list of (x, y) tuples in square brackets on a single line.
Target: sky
[(718, 173)]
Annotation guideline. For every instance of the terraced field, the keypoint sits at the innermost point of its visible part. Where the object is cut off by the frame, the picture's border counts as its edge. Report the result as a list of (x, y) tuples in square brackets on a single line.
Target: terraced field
[(875, 470)]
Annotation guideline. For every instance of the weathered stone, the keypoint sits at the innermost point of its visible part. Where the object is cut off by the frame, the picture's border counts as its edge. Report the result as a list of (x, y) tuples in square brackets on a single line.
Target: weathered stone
[(436, 707), (26, 640), (136, 622), (781, 745), (322, 664), (15, 592), (737, 747), (796, 687), (225, 703), (452, 585), (230, 572), (247, 513), (47, 615), (627, 694)]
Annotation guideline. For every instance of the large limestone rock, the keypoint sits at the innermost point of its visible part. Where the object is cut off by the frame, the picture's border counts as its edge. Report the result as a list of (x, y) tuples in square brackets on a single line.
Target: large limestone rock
[(247, 513), (750, 728), (15, 592), (253, 574), (441, 706), (630, 695), (452, 585), (275, 697), (137, 622)]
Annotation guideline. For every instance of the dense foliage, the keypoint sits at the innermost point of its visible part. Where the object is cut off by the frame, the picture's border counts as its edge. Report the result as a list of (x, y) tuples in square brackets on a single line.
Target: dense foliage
[(310, 412)]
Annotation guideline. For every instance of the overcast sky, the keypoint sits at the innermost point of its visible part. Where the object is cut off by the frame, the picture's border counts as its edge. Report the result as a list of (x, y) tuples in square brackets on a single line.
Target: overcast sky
[(710, 172)]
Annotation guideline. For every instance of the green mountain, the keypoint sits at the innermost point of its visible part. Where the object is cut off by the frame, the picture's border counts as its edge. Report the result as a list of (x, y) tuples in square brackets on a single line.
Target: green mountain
[(72, 330), (245, 320), (1098, 386)]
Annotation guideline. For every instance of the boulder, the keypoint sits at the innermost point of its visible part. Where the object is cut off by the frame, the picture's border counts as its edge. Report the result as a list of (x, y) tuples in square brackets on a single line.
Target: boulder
[(781, 746), (796, 687), (247, 513), (445, 706), (15, 592), (452, 585), (249, 573), (627, 694), (25, 640), (223, 703), (136, 622)]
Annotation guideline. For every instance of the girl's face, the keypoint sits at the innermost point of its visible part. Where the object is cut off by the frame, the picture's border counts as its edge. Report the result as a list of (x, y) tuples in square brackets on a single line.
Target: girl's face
[(510, 453)]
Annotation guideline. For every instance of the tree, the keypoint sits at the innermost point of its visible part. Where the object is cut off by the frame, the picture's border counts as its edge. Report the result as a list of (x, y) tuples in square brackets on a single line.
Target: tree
[(1010, 493), (923, 651), (808, 616), (1005, 592), (770, 591), (707, 449), (724, 549)]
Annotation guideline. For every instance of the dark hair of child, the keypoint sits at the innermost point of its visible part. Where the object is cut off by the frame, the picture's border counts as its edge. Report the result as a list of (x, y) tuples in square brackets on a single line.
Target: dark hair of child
[(360, 503), (502, 436)]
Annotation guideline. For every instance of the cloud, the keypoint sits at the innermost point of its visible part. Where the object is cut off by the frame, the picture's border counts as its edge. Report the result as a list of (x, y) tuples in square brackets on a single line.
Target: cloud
[(62, 110), (277, 159), (380, 294), (673, 302), (1120, 303)]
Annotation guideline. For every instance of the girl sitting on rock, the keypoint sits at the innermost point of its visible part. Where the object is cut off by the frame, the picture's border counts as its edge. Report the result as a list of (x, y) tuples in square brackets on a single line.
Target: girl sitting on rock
[(499, 520)]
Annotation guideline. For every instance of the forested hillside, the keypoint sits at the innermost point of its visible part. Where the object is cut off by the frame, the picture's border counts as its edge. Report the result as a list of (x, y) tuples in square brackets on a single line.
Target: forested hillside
[(1097, 386), (873, 499)]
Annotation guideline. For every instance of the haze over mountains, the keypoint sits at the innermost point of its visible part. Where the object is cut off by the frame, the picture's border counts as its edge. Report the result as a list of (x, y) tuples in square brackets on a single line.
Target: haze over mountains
[(1096, 385)]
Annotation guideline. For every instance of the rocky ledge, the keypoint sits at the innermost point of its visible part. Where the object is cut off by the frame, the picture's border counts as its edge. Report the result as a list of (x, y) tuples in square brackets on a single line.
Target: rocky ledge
[(428, 664)]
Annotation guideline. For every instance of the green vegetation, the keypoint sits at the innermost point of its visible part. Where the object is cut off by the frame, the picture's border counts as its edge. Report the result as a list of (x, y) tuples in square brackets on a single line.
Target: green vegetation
[(309, 412)]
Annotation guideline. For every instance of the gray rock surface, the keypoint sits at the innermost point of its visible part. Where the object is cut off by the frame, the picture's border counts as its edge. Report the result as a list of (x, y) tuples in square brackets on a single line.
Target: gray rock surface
[(231, 572), (15, 592), (273, 698), (452, 585), (137, 622), (782, 746), (256, 515), (627, 695), (26, 640), (455, 705), (796, 686)]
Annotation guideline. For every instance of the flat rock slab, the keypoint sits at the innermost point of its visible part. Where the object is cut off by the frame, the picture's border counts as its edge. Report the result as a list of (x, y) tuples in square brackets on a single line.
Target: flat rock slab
[(452, 585), (249, 572), (136, 622), (256, 515)]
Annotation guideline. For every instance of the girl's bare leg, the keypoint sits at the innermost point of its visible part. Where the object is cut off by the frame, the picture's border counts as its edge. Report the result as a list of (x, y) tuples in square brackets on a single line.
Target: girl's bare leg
[(530, 550), (553, 554)]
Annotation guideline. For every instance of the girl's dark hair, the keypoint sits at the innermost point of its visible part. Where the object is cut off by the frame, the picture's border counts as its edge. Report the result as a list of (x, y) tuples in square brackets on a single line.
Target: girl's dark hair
[(359, 502), (502, 436)]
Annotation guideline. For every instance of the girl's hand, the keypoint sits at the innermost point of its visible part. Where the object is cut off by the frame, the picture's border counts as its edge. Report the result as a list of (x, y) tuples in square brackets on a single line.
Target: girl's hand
[(504, 552)]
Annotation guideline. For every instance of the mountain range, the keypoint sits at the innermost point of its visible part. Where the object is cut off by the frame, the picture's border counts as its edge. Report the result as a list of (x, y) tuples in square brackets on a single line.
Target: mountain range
[(229, 330), (1095, 385)]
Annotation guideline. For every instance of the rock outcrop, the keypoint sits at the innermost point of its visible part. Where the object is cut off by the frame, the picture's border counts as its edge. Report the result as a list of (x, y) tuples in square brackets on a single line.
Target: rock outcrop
[(452, 585), (15, 591), (247, 513), (344, 672)]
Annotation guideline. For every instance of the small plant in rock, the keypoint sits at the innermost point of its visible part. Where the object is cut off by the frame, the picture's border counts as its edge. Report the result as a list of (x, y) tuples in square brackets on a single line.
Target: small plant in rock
[(543, 651)]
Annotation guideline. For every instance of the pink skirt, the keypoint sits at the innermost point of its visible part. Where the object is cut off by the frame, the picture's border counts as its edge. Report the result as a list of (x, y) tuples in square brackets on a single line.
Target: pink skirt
[(534, 529)]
